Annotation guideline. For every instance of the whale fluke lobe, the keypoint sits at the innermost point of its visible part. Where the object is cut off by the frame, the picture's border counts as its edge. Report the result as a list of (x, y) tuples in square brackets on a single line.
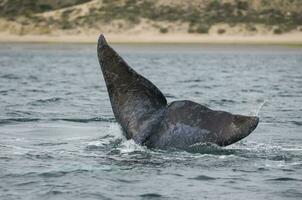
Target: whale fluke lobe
[(144, 115), (137, 104), (187, 123)]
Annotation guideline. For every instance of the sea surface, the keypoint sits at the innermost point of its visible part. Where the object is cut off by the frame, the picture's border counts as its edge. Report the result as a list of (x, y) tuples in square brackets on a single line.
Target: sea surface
[(60, 140)]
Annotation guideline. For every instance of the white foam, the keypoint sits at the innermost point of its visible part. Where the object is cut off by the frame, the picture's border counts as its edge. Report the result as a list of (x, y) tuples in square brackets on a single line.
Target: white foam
[(112, 133), (129, 146)]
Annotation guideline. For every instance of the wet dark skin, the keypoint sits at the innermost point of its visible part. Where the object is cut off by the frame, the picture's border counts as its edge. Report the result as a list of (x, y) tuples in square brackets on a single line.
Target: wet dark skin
[(144, 115)]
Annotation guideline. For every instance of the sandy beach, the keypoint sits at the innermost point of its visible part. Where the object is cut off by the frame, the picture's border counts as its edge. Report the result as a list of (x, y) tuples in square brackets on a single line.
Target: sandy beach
[(284, 39)]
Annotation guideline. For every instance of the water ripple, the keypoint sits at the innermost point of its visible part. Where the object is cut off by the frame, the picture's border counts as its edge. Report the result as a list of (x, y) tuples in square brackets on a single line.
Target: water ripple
[(59, 138), (78, 120)]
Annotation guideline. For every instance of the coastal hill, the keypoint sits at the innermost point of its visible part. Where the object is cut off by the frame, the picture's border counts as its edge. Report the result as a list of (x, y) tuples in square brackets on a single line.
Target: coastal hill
[(157, 17)]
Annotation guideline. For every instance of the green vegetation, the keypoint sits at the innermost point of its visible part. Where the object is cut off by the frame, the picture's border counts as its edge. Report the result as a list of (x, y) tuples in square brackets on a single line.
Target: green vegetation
[(201, 19), (21, 7), (198, 28), (280, 15), (163, 30)]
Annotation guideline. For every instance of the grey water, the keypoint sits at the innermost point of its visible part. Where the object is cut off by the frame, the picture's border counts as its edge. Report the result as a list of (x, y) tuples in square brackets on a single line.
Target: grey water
[(59, 138)]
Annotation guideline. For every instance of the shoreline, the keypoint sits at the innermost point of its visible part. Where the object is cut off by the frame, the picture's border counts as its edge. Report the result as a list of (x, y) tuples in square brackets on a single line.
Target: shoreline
[(290, 39)]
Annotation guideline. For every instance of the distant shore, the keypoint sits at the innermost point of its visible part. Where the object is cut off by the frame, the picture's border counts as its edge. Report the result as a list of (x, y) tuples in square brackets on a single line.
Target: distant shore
[(284, 39)]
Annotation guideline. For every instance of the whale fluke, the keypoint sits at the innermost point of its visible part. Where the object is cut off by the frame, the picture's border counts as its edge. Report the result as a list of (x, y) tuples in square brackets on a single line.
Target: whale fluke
[(142, 111)]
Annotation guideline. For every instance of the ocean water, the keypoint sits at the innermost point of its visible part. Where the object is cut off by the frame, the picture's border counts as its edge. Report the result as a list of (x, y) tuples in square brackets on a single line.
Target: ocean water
[(59, 139)]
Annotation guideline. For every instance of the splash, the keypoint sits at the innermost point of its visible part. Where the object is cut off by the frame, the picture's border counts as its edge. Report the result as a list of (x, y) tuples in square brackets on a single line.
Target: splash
[(260, 107), (129, 146)]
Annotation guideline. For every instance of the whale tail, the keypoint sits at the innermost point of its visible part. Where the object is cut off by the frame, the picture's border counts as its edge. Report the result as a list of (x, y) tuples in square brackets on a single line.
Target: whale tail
[(142, 111), (134, 99)]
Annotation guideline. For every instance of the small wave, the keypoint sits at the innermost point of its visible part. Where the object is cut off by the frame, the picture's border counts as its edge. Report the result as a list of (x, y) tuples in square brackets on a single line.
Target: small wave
[(192, 81), (36, 91), (53, 192), (209, 148), (5, 92), (127, 181), (175, 174), (245, 171), (284, 179), (53, 174), (223, 102), (292, 193), (79, 120), (288, 170), (150, 196), (288, 95), (48, 174), (15, 175), (38, 156), (298, 123), (10, 76), (26, 183), (262, 169), (273, 152), (49, 100), (228, 100), (13, 120), (5, 158), (203, 178), (94, 119), (32, 77), (50, 144), (61, 173)]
